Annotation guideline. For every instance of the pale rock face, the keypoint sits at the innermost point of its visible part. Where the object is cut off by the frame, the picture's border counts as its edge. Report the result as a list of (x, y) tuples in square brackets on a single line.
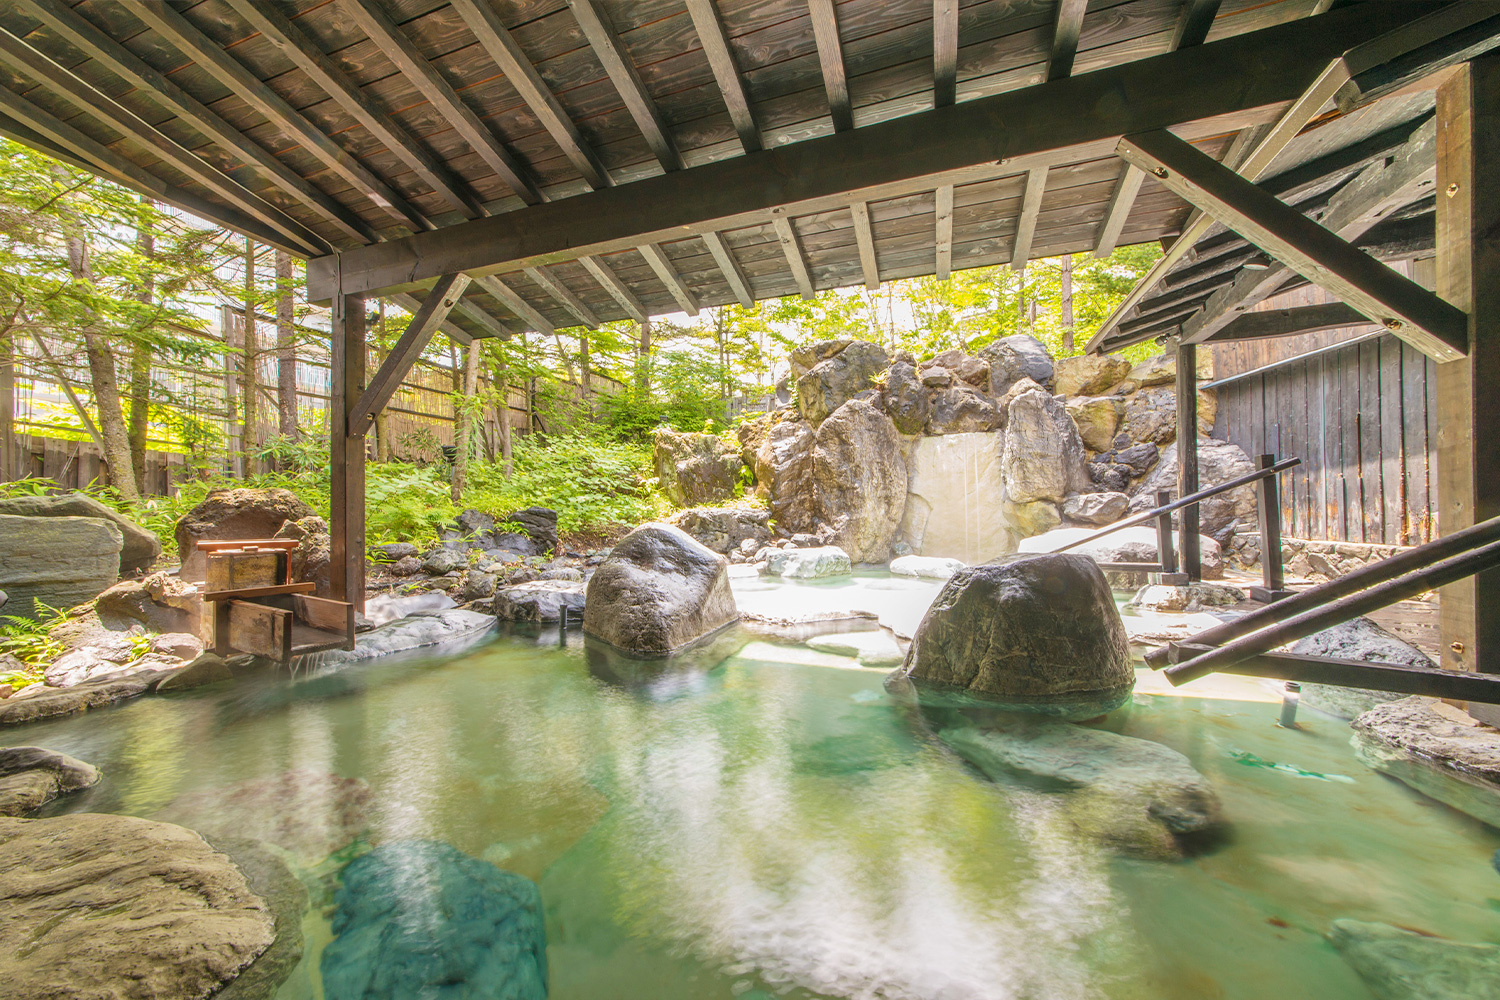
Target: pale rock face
[(1096, 418), (809, 564), (784, 468), (1043, 457), (1087, 374), (1096, 508), (1027, 519), (951, 512)]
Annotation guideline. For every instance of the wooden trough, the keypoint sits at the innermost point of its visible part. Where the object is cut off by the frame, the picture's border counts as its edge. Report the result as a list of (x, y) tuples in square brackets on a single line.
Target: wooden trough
[(258, 609)]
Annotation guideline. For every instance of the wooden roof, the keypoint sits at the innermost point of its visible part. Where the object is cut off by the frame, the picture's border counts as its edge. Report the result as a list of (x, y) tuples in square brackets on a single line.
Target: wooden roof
[(327, 126)]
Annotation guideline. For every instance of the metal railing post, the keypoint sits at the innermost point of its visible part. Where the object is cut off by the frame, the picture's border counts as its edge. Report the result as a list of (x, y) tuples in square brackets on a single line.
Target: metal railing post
[(1273, 579), (1166, 553)]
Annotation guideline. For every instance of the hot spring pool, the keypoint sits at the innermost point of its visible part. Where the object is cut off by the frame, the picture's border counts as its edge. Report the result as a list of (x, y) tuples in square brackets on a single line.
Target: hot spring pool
[(777, 826)]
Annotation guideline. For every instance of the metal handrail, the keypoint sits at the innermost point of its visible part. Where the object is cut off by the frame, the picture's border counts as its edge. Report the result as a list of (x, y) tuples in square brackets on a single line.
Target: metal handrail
[(1186, 501)]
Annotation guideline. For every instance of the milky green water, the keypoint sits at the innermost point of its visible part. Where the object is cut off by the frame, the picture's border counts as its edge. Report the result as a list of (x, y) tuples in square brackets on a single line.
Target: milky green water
[(773, 828)]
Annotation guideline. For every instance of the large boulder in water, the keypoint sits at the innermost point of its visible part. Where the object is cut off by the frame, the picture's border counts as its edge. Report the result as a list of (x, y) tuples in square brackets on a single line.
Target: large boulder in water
[(30, 777), (1398, 964), (418, 918), (859, 476), (234, 514), (57, 561), (658, 590), (832, 382), (140, 547), (1032, 634), (695, 468)]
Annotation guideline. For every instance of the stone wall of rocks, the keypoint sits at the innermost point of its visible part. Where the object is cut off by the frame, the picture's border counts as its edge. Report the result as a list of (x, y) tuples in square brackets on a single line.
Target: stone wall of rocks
[(960, 455), (1320, 560)]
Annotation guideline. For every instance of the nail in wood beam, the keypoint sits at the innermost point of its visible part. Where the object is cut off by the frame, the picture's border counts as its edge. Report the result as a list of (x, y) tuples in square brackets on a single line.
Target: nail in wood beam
[(413, 341), (400, 50), (1031, 207), (865, 238), (670, 278), (720, 54), (346, 453), (724, 256), (825, 24), (615, 287), (1120, 204), (496, 40), (1194, 22), (306, 56), (944, 52), (786, 232), (512, 300), (620, 68), (1408, 310), (1065, 31), (944, 213), (563, 297)]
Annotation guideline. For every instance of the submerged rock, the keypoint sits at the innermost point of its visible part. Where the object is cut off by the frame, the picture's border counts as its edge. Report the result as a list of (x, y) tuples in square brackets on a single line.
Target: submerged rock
[(1137, 796), (930, 567), (871, 649), (809, 564), (1398, 964), (1356, 639), (539, 600), (658, 591), (30, 777), (1448, 757), (417, 918), (115, 906), (417, 630), (286, 898), (1037, 634), (206, 668)]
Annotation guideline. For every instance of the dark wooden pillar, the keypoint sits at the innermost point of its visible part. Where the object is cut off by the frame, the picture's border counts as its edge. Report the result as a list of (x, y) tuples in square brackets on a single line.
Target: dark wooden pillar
[(1468, 276), (346, 453), (1187, 459)]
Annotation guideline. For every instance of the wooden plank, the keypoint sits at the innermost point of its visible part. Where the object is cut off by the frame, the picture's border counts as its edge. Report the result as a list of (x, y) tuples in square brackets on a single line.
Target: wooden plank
[(1414, 446), (346, 453), (1036, 188), (260, 630), (1364, 674), (224, 572), (512, 300), (669, 277), (786, 232), (943, 214), (1450, 36), (622, 72), (865, 239), (1188, 519), (413, 341), (720, 55), (1194, 22), (825, 25), (563, 296), (1120, 204), (1408, 310), (1393, 484), (1333, 457), (730, 267), (1263, 323), (1065, 31), (945, 52), (269, 590), (615, 287), (326, 616), (1369, 442)]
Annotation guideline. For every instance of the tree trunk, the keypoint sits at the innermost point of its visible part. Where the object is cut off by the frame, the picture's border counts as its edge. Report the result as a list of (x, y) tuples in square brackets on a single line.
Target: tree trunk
[(465, 421), (502, 390), (643, 358), (112, 432), (286, 350), (141, 356), (586, 377), (1067, 304), (250, 383)]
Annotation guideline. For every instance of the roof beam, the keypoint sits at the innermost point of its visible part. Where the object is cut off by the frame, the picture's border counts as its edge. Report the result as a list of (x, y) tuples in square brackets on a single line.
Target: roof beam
[(825, 24), (1066, 27), (55, 78), (615, 287), (1022, 127), (563, 297), (864, 237), (1194, 22), (669, 277), (414, 339), (187, 39), (944, 52), (1371, 196), (496, 40), (1031, 209), (611, 53), (724, 257), (392, 41), (80, 33), (943, 210), (1120, 204), (1408, 310), (1448, 36), (512, 300), (1289, 322), (715, 40), (305, 54), (792, 248)]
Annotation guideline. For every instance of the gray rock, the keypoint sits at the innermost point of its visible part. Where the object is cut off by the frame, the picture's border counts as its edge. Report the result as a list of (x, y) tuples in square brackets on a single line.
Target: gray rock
[(809, 564), (178, 644), (286, 898), (395, 551), (1035, 634), (1136, 796), (1218, 462), (441, 561), (406, 566), (1151, 415), (929, 567), (59, 561), (860, 479), (962, 367), (870, 649), (1398, 964), (206, 668), (695, 468), (658, 591), (416, 631), (310, 559), (460, 928), (234, 514), (107, 906), (1043, 457), (564, 573), (962, 409), (54, 702), (724, 529), (905, 398), (1443, 758), (1186, 599), (84, 664), (784, 472), (1140, 458), (139, 549), (538, 524), (1357, 639), (834, 381), (539, 601), (1014, 358), (1095, 508), (30, 777), (475, 586)]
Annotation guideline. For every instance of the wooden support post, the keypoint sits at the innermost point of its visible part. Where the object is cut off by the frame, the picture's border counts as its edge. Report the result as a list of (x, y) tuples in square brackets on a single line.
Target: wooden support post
[(1272, 578), (346, 453), (1187, 458), (1468, 276), (1166, 554)]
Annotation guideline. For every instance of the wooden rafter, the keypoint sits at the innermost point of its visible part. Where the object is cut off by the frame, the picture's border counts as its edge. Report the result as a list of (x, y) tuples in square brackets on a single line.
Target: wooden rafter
[(1031, 208), (1067, 26), (1194, 22), (1264, 323), (724, 257), (615, 287), (1120, 203), (825, 25), (413, 341), (669, 277), (512, 300), (944, 52), (563, 297), (720, 54), (943, 211), (791, 247), (622, 72), (864, 237)]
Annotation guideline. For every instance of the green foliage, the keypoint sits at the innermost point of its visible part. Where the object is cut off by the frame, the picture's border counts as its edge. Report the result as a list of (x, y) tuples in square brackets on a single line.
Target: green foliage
[(405, 503), (30, 641), (592, 484)]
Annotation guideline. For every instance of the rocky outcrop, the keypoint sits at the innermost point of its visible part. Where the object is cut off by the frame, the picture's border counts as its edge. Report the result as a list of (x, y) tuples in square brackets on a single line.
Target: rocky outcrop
[(1138, 797), (695, 468), (859, 481), (1218, 462), (905, 398), (418, 918), (1356, 639), (1095, 508), (838, 377), (809, 564), (1398, 964), (1014, 358), (1097, 418), (724, 529), (114, 906), (59, 561), (1087, 374), (784, 474), (1440, 752), (140, 548), (1035, 634), (30, 777), (56, 702), (962, 409), (658, 591), (1043, 457), (233, 514), (309, 560), (538, 601)]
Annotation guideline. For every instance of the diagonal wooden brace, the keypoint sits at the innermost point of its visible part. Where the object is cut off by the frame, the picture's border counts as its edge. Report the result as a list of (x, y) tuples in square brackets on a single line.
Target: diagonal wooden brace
[(440, 301)]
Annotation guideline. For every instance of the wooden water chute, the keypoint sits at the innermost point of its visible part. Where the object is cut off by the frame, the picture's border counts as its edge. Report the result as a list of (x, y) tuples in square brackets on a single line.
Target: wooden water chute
[(257, 608)]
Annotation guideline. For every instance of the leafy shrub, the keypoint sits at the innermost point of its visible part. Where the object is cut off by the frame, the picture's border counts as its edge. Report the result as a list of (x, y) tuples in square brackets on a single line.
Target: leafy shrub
[(591, 483), (30, 641)]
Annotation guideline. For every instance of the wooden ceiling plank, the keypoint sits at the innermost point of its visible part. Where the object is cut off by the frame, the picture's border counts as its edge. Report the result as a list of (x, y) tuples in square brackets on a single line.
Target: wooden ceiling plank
[(503, 49), (825, 24), (512, 300), (563, 297), (669, 277), (405, 55), (413, 340), (1120, 203), (1066, 29), (944, 216), (187, 39), (716, 47), (615, 287), (791, 247), (1031, 207), (730, 267), (865, 239), (622, 72), (944, 52)]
